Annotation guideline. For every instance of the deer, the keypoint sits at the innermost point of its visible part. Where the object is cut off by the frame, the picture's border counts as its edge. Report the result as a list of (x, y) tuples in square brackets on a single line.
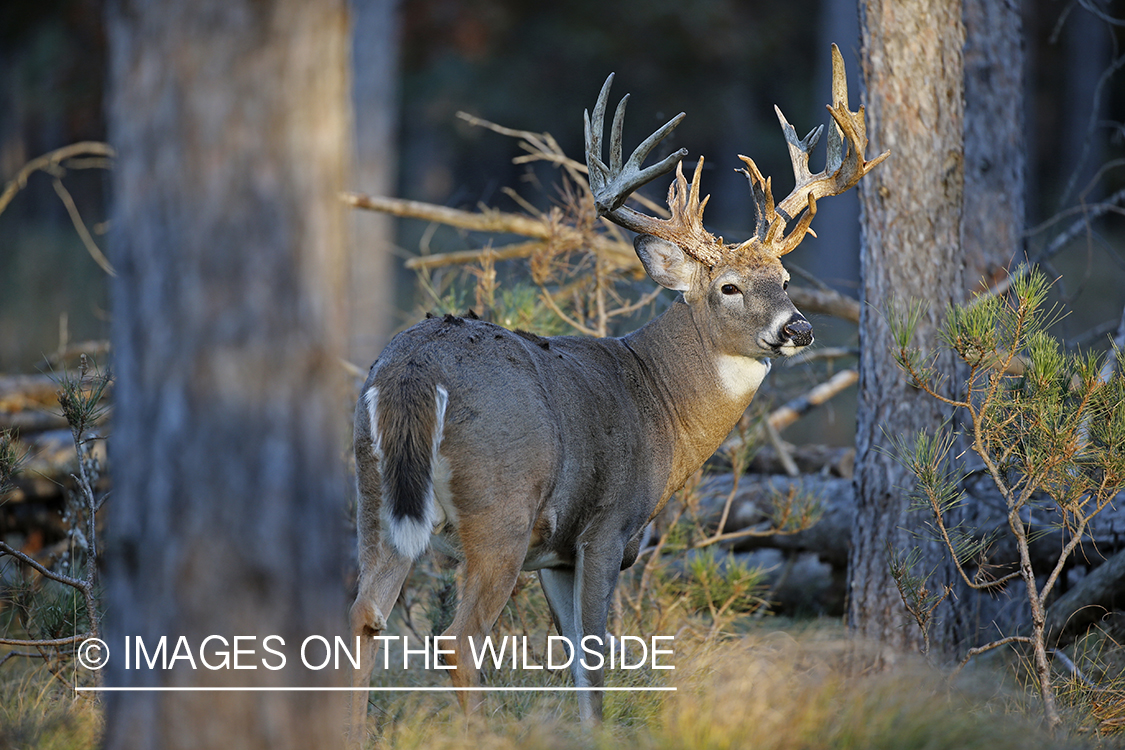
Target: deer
[(512, 452)]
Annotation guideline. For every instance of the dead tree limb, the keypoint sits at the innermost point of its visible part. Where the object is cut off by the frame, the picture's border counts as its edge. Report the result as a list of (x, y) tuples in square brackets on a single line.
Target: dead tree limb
[(1101, 591)]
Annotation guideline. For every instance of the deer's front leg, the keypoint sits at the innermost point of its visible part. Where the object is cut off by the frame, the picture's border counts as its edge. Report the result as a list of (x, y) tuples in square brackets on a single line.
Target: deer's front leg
[(597, 565)]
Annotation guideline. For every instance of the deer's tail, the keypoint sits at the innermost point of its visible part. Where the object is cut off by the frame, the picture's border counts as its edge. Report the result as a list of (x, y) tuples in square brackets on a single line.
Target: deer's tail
[(406, 417)]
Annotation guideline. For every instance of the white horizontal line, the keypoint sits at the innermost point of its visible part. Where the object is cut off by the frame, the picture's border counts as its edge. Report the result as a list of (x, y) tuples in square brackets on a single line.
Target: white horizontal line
[(192, 689)]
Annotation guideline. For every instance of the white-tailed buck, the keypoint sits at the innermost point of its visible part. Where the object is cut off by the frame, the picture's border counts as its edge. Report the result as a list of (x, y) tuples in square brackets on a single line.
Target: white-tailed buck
[(513, 452)]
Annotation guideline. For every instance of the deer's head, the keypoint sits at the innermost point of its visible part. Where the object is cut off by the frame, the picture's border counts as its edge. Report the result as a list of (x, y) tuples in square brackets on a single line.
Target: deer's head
[(738, 290)]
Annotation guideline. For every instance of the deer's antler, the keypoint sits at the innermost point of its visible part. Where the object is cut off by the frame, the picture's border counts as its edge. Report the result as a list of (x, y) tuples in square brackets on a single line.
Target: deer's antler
[(847, 143), (612, 184)]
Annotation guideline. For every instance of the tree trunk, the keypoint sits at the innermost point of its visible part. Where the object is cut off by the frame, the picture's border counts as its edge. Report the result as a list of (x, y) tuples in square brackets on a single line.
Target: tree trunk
[(230, 122), (911, 213), (992, 225), (375, 47), (995, 155)]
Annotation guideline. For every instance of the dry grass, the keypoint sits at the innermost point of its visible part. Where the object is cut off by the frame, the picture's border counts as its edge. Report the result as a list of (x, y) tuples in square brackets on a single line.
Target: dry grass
[(752, 682), (768, 691), (802, 688), (37, 712)]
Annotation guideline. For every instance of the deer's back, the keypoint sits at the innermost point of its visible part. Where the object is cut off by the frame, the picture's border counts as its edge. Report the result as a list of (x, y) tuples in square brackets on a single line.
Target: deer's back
[(566, 419)]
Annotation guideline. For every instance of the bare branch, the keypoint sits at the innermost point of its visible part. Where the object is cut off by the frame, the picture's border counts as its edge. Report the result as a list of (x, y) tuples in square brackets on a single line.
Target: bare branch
[(974, 652), (47, 572), (786, 415), (1089, 213), (80, 227), (465, 257), (825, 301), (25, 654), (616, 253), (550, 302), (50, 163), (644, 300), (45, 642)]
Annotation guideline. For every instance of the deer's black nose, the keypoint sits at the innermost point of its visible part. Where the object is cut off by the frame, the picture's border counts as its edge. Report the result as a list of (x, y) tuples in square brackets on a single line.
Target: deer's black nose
[(799, 331)]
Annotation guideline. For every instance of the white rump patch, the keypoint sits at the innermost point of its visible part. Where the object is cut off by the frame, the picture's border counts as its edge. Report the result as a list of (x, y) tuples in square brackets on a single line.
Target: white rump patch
[(741, 376), (371, 398), (440, 470)]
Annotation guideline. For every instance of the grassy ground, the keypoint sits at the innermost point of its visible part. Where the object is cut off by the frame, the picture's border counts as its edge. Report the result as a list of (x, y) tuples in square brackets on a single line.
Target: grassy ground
[(767, 690), (755, 681), (36, 711)]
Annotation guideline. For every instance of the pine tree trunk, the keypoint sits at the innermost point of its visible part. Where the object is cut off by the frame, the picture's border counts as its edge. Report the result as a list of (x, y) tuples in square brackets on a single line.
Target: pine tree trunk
[(992, 225), (995, 155), (911, 215), (231, 124)]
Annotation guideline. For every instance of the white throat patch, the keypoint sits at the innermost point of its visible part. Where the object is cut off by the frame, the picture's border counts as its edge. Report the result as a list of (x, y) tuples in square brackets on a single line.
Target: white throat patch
[(741, 376)]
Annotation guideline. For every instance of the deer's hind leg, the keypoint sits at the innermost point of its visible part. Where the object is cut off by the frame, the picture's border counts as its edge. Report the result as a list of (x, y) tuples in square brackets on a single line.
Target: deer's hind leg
[(494, 540), (382, 571)]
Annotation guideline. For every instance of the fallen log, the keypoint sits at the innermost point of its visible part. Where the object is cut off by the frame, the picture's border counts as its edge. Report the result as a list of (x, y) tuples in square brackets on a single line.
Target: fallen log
[(30, 403), (1100, 592), (756, 502)]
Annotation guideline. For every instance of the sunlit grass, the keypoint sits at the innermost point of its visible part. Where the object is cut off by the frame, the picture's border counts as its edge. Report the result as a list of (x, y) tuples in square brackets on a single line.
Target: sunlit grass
[(36, 711), (756, 682), (764, 690), (804, 687)]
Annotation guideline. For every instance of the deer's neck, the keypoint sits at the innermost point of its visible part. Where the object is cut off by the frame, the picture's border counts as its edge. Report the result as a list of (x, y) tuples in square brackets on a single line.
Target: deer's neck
[(702, 391)]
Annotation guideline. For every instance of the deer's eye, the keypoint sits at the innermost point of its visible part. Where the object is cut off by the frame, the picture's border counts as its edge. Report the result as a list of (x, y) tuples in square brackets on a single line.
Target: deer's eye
[(730, 289), (785, 285)]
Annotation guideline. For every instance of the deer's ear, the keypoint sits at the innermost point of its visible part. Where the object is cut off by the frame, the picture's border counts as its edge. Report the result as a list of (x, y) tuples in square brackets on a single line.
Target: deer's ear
[(665, 262)]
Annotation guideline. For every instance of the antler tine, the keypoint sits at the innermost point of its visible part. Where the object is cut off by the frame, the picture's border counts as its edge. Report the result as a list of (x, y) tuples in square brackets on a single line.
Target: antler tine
[(847, 143), (794, 238), (616, 135), (799, 148), (611, 185), (762, 192), (596, 168), (684, 204), (839, 100)]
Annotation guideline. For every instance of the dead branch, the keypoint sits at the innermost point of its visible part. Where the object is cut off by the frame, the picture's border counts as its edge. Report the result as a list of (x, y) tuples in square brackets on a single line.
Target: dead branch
[(753, 506), (826, 302), (465, 257), (45, 642), (1102, 590), (796, 408), (1089, 213), (80, 227), (975, 652), (619, 255), (50, 163), (786, 415), (24, 654), (6, 549)]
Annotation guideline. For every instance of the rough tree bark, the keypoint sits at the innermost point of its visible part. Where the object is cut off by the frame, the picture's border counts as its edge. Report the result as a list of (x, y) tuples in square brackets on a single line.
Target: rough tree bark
[(375, 49), (993, 221), (992, 225), (911, 214), (230, 121)]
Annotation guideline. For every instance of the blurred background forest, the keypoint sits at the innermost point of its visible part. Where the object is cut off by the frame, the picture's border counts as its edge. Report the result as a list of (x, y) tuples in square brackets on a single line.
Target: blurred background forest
[(535, 67)]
